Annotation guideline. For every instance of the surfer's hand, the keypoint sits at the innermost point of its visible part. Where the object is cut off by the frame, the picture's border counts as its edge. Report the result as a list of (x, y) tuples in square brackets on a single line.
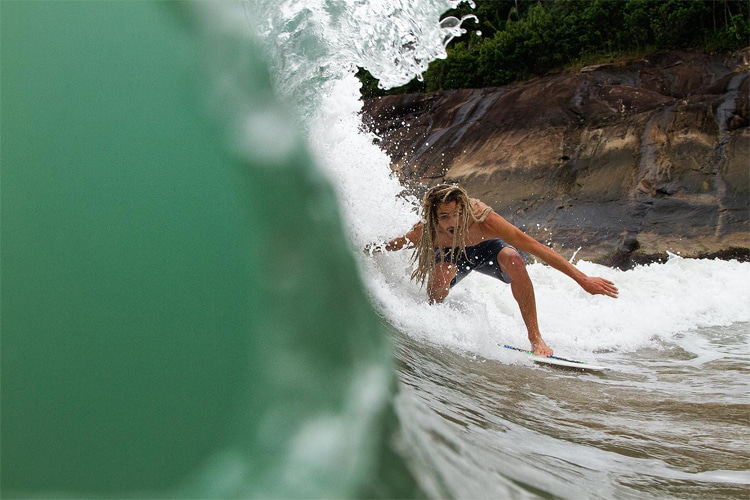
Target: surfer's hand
[(599, 286), (540, 348)]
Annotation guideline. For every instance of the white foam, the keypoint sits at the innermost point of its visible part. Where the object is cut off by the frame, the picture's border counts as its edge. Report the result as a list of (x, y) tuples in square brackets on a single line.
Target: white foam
[(369, 194)]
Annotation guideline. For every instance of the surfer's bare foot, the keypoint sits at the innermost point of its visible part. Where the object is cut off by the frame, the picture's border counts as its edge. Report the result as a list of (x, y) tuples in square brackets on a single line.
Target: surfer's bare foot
[(540, 348)]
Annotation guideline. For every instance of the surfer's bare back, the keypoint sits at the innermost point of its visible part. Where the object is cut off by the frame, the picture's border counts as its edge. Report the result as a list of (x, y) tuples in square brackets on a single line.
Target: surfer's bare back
[(459, 234)]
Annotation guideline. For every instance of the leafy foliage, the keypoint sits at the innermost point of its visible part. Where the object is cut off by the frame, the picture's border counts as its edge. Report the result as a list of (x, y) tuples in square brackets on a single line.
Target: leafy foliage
[(525, 38)]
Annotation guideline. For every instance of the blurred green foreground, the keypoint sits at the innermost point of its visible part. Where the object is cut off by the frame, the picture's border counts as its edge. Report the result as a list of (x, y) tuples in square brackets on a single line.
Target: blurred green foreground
[(181, 317)]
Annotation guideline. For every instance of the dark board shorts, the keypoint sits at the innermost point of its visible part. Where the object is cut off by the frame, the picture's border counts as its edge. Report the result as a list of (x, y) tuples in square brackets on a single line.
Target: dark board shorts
[(481, 258)]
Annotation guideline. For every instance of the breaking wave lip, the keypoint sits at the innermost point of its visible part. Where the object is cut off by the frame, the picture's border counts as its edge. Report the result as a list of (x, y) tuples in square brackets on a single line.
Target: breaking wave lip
[(314, 43), (313, 48)]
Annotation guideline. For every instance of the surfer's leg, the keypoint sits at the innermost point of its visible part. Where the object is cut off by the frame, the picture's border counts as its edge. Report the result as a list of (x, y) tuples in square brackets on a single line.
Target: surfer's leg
[(523, 291), (440, 284)]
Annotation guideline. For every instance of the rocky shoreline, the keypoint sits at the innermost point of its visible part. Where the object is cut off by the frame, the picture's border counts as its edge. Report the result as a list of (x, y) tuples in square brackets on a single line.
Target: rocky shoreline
[(625, 161)]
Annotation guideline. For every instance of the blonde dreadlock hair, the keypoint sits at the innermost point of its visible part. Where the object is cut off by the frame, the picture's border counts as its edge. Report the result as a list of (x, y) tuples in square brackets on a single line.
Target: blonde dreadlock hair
[(424, 253)]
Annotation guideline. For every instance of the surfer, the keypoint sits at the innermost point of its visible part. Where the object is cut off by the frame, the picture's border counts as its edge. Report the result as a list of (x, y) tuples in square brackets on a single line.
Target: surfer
[(459, 234)]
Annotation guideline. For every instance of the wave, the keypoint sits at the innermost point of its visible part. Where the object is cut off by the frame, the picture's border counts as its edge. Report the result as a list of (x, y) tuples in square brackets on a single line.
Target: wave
[(183, 311)]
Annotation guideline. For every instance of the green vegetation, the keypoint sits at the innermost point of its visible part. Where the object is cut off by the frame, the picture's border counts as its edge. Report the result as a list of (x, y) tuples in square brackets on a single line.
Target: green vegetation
[(526, 38)]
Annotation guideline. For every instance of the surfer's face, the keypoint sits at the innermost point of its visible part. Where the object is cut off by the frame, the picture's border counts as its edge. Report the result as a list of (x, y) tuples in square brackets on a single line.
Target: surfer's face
[(448, 219)]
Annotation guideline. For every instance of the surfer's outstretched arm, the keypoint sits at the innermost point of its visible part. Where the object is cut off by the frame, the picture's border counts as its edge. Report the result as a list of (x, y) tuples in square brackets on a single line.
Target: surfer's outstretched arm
[(408, 240), (511, 234)]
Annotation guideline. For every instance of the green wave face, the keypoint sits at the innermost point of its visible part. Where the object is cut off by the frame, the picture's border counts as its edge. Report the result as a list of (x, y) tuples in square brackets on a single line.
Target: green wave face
[(181, 315)]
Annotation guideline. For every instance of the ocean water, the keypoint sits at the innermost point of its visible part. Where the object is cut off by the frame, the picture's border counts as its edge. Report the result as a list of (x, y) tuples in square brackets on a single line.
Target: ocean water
[(187, 311), (669, 420)]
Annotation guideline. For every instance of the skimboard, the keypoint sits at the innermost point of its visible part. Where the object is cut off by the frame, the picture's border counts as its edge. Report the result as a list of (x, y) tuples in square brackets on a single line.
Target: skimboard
[(561, 362)]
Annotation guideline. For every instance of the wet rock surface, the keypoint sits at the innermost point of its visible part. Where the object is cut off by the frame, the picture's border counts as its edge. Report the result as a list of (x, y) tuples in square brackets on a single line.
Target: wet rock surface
[(625, 161)]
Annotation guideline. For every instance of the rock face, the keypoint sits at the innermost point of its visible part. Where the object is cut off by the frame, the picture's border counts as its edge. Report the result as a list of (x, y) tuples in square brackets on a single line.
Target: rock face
[(626, 161)]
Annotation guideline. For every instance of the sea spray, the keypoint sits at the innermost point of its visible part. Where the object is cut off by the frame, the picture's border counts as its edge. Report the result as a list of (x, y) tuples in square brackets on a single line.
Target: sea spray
[(311, 45), (373, 201)]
